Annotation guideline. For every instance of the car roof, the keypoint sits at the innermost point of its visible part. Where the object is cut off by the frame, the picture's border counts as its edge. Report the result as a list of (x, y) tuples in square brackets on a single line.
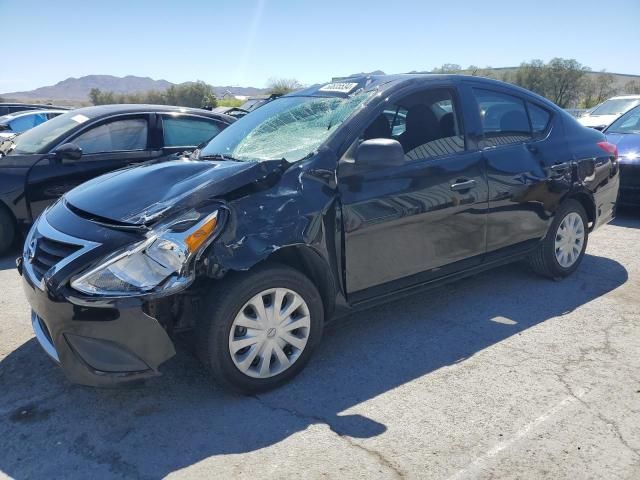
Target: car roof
[(386, 83), (108, 110)]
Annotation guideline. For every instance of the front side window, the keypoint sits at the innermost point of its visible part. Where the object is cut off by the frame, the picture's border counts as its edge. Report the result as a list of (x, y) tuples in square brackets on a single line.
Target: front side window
[(289, 128), (116, 136), (426, 123), (504, 118), (628, 123), (188, 132)]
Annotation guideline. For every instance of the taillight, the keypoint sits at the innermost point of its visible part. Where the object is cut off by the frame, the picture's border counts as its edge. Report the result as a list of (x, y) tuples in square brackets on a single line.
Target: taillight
[(610, 148)]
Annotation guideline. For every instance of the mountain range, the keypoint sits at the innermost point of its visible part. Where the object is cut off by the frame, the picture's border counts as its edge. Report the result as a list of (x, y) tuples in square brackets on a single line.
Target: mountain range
[(76, 90)]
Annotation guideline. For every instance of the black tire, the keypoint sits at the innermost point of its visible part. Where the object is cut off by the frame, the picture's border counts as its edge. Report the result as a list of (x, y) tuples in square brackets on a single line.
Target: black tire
[(543, 261), (220, 308), (7, 231)]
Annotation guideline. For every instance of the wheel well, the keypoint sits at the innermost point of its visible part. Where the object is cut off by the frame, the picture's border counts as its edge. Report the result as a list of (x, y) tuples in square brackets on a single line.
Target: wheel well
[(308, 262), (8, 211), (588, 205)]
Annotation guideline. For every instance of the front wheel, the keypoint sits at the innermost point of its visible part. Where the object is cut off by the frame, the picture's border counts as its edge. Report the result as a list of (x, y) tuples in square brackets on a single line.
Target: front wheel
[(257, 330), (562, 250)]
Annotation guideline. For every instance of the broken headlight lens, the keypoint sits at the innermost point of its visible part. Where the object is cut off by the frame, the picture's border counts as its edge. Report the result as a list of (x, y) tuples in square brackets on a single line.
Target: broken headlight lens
[(159, 263)]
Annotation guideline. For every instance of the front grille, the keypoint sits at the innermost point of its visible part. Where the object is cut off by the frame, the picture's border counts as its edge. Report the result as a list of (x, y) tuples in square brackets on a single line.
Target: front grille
[(48, 253)]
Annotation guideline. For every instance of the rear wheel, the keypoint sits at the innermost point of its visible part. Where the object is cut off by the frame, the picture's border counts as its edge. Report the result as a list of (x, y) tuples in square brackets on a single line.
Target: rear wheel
[(562, 250), (7, 230), (258, 330)]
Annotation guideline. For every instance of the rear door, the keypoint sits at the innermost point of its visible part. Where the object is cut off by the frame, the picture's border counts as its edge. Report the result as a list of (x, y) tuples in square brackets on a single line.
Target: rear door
[(426, 218), (107, 145), (526, 156)]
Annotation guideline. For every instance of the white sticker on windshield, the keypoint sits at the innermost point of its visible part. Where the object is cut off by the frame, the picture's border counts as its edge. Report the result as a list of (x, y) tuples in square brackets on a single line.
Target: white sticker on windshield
[(342, 87), (79, 118)]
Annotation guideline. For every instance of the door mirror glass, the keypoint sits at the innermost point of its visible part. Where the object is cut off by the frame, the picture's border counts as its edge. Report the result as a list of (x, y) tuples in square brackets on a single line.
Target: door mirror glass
[(68, 151), (379, 152)]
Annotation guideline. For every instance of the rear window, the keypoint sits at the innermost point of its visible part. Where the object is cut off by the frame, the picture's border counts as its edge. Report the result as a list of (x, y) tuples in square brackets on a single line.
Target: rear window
[(504, 118), (539, 117), (615, 107), (188, 132)]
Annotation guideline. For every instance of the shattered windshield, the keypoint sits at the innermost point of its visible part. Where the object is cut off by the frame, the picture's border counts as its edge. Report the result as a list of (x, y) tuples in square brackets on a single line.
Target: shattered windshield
[(288, 128)]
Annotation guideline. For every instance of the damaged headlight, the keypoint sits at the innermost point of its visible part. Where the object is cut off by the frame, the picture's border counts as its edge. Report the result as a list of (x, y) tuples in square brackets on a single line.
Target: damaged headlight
[(160, 263)]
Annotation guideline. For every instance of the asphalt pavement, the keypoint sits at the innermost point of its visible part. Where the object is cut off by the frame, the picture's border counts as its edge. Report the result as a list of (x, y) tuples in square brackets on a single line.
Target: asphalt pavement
[(502, 375)]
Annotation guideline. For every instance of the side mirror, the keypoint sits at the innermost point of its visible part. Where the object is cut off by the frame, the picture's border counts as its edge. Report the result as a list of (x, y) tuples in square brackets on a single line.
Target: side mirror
[(4, 126), (379, 152), (68, 151)]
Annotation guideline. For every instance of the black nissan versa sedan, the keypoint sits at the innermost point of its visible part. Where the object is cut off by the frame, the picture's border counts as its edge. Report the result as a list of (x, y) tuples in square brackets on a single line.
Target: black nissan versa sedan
[(327, 200), (39, 166)]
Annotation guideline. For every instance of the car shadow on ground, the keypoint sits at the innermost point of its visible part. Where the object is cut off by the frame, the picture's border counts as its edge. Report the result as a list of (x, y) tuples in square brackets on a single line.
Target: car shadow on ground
[(8, 260), (49, 427)]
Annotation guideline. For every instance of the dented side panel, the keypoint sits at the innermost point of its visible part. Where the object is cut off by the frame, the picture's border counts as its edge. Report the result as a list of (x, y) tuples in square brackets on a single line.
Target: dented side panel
[(299, 210)]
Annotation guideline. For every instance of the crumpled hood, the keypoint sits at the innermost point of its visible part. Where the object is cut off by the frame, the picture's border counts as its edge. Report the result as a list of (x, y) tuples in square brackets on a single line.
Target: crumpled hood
[(628, 144), (143, 194)]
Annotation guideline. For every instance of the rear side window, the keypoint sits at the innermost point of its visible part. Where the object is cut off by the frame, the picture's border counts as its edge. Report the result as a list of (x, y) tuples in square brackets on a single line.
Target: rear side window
[(188, 132), (117, 136), (540, 118), (504, 118)]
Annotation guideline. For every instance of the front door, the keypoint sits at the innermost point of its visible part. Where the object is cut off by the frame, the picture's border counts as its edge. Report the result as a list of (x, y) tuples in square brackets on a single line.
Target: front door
[(425, 218), (106, 146)]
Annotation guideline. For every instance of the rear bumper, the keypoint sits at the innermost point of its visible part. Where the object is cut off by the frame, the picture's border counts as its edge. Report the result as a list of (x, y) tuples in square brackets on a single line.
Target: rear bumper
[(97, 342)]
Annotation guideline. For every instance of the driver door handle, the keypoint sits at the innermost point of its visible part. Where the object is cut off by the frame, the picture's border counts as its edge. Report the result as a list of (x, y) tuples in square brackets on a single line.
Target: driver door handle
[(463, 185)]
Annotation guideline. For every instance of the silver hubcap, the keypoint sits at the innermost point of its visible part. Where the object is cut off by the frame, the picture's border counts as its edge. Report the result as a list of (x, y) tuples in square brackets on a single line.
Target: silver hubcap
[(269, 333), (569, 240)]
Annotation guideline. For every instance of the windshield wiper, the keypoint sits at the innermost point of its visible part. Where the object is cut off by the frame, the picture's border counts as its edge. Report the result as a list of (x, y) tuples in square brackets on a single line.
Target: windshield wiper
[(218, 156)]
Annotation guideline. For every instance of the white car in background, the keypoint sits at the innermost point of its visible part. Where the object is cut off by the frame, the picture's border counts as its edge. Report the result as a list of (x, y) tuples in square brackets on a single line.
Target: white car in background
[(604, 114)]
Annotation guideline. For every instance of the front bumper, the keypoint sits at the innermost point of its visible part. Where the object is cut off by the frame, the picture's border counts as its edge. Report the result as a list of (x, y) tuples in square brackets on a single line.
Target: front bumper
[(629, 184), (97, 342)]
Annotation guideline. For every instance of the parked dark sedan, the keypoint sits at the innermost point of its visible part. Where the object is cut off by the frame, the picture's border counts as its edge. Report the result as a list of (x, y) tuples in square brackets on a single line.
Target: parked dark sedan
[(39, 166), (625, 134), (307, 208)]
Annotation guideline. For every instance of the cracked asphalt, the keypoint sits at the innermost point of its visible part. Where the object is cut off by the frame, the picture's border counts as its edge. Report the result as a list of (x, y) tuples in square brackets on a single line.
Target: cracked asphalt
[(502, 375)]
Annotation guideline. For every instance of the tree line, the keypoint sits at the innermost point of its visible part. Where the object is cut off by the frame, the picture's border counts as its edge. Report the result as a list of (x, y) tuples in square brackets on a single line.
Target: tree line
[(192, 94), (566, 82)]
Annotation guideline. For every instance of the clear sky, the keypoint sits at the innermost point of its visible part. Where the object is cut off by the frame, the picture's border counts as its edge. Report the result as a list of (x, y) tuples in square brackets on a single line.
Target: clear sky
[(245, 42)]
